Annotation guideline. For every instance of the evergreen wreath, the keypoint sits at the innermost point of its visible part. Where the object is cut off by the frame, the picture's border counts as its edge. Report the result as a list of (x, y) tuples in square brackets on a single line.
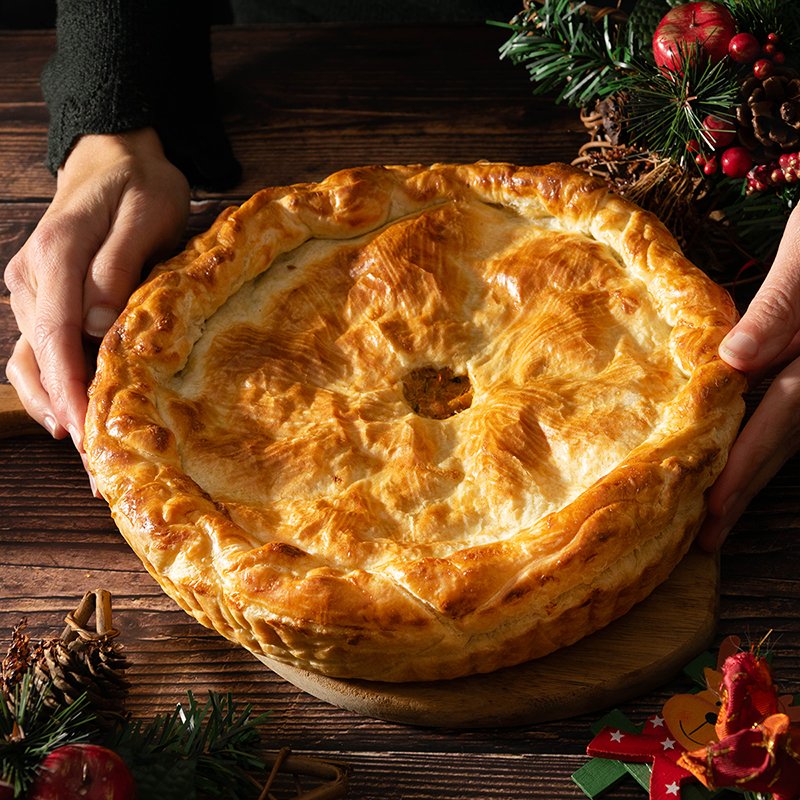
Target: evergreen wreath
[(692, 111)]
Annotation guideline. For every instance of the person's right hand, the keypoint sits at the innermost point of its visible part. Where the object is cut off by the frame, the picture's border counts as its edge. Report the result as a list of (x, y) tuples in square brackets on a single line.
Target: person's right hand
[(765, 341), (119, 205)]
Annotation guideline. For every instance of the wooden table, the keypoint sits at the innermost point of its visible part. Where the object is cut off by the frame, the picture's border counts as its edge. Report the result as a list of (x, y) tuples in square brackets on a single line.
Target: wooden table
[(300, 103)]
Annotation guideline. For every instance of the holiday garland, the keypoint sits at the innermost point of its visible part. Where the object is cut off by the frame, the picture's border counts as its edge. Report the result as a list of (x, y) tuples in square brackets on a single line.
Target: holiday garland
[(692, 108)]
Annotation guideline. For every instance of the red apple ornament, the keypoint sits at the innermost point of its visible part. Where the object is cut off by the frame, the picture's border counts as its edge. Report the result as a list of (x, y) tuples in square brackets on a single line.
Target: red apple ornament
[(685, 28), (83, 772)]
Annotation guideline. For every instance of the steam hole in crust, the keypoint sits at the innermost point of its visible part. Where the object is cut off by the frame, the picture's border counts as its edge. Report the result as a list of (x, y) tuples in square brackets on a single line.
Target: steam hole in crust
[(437, 393)]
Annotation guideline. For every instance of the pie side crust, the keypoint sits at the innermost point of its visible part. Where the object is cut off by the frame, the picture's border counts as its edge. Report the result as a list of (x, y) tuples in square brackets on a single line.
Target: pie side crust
[(250, 426)]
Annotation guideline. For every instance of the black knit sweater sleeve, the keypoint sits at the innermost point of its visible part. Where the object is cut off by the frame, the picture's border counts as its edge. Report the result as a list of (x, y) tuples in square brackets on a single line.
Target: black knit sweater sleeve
[(126, 64)]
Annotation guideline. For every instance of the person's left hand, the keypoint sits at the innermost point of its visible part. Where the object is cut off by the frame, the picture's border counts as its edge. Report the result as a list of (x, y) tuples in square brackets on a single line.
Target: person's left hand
[(119, 204)]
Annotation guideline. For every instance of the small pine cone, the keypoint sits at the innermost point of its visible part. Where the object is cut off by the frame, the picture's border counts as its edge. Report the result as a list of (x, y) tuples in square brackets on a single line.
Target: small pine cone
[(612, 112), (769, 114), (92, 666), (85, 661), (17, 660)]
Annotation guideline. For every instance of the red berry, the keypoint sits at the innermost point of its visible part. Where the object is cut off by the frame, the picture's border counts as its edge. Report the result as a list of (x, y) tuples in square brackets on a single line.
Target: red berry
[(770, 49), (744, 48), (785, 160), (779, 58), (773, 37), (710, 167), (82, 772), (762, 68), (693, 146), (700, 159), (736, 162), (718, 132), (776, 177)]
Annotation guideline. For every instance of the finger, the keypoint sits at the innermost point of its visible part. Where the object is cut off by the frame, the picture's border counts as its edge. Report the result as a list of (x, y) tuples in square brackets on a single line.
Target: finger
[(769, 438), (61, 262), (117, 268), (23, 374), (773, 318)]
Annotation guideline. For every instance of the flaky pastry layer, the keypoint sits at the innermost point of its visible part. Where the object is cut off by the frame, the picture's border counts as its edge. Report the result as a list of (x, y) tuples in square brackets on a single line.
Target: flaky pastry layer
[(262, 423)]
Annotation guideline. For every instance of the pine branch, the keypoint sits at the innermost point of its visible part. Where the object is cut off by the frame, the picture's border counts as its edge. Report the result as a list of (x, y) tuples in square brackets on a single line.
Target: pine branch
[(759, 219), (761, 17), (29, 729), (668, 108), (567, 53), (207, 750)]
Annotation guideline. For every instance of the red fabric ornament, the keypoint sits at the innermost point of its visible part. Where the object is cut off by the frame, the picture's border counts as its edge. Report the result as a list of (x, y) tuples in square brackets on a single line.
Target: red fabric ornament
[(748, 693), (758, 749), (764, 758)]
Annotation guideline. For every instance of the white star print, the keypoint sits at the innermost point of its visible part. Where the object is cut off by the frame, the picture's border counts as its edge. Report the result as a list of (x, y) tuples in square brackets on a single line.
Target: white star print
[(617, 736), (657, 722), (668, 744), (672, 788)]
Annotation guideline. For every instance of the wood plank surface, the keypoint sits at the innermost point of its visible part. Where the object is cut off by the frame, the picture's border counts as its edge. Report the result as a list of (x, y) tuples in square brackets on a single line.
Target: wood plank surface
[(301, 103)]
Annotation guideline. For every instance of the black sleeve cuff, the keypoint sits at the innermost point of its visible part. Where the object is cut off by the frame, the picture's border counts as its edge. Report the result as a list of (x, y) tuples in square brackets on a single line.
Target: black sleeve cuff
[(127, 64)]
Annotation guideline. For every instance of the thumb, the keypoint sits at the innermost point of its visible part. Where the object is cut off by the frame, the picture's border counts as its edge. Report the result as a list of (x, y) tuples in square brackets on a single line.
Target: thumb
[(772, 320)]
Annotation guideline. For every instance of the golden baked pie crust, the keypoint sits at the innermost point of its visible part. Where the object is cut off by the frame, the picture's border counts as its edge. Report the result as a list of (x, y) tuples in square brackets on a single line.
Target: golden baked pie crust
[(258, 419)]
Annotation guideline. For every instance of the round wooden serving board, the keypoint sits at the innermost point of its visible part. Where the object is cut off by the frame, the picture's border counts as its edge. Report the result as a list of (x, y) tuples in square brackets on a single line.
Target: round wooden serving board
[(630, 657)]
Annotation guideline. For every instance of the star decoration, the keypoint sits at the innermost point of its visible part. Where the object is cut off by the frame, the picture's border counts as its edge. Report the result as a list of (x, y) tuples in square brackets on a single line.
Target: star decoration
[(657, 722), (648, 747)]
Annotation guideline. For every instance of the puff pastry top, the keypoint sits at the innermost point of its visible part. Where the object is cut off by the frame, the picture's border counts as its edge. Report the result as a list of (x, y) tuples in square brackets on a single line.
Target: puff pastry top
[(413, 423)]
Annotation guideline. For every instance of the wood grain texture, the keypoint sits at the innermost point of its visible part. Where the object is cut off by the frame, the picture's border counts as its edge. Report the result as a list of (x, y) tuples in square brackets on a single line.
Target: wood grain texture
[(301, 103)]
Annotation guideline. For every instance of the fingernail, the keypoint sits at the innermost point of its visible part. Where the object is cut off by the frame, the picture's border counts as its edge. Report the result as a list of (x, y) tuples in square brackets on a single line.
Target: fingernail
[(740, 345), (77, 439), (50, 424), (98, 320)]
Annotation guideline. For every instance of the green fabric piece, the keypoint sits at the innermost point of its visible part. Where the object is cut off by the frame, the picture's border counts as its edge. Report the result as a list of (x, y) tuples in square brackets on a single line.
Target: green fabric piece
[(598, 775), (615, 719)]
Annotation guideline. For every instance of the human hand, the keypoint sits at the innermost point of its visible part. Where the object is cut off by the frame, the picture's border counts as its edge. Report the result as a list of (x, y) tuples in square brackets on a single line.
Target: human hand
[(765, 341), (119, 204)]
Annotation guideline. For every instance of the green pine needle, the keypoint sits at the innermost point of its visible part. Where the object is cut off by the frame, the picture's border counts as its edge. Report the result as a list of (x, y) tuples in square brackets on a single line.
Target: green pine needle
[(207, 750), (30, 729), (667, 109), (567, 53), (761, 17)]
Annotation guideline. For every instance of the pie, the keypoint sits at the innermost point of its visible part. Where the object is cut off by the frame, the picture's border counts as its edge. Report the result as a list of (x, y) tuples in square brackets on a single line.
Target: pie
[(413, 423)]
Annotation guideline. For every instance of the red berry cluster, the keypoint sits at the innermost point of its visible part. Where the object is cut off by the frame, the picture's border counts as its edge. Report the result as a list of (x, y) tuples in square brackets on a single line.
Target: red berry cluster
[(774, 174), (744, 48), (719, 135)]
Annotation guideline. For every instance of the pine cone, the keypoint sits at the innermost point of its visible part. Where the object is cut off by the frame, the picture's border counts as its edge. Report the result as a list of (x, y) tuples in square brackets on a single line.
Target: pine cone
[(85, 661), (94, 666), (612, 112), (769, 116), (17, 660)]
